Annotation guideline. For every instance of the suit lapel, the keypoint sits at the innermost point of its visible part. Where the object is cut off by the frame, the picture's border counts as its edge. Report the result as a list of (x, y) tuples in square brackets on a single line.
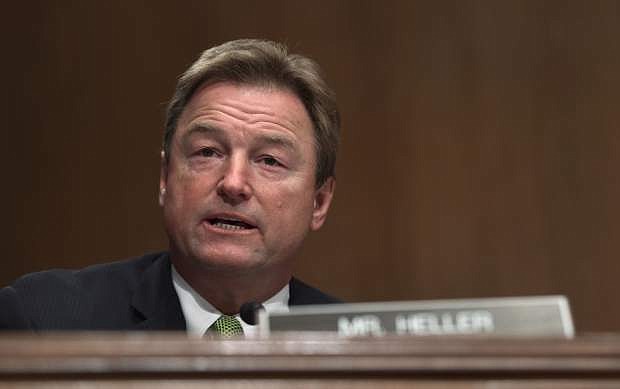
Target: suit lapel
[(303, 294), (156, 300)]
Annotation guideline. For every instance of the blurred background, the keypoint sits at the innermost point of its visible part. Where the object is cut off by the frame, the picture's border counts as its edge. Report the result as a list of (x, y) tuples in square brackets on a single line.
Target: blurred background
[(479, 152)]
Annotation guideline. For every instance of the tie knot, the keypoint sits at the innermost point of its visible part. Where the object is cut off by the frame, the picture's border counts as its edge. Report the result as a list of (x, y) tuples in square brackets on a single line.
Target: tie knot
[(226, 326)]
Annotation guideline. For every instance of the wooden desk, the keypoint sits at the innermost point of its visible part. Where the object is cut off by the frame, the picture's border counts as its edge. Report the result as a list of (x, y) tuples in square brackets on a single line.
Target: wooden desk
[(305, 361)]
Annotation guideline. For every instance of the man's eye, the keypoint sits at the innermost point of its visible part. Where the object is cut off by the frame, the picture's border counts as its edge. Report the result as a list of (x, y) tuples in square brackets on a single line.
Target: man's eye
[(270, 161), (207, 152)]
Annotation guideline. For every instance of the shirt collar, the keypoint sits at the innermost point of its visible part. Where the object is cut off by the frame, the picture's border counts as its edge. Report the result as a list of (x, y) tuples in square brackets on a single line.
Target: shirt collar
[(200, 314)]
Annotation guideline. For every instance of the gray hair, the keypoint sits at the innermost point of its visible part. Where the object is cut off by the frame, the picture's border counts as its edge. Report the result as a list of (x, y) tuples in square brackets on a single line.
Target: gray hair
[(260, 62)]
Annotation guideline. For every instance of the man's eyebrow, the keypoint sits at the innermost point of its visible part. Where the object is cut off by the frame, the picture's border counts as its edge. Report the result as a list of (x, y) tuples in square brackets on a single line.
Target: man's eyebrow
[(278, 140)]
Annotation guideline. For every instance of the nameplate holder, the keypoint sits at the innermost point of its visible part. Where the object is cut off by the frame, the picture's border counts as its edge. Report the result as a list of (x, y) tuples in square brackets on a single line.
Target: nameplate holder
[(547, 316)]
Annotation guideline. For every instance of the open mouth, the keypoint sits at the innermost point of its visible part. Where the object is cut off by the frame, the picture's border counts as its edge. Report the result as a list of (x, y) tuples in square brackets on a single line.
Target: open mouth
[(230, 224)]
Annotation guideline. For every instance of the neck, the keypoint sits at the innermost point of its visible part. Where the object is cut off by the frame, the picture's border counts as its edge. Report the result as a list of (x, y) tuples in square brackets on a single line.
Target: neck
[(228, 290)]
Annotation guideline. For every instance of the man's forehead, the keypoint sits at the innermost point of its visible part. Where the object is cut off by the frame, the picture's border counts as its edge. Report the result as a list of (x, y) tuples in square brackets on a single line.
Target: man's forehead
[(249, 104), (237, 91)]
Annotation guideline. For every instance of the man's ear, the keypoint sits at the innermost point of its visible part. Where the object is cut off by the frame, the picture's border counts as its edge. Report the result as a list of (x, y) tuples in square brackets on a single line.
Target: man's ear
[(163, 178), (322, 200)]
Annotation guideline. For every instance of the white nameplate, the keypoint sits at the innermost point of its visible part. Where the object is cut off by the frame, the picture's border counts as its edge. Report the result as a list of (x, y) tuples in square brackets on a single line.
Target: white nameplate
[(507, 316)]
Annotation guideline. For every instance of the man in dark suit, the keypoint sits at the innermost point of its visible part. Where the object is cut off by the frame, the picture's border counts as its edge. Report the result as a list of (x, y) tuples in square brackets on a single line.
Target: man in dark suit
[(247, 170)]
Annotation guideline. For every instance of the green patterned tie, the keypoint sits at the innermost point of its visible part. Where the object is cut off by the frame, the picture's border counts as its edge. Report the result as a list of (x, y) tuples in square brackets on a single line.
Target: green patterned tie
[(225, 326)]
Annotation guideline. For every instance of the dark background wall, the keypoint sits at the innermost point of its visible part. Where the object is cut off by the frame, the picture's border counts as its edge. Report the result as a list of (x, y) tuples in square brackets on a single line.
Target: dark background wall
[(479, 153)]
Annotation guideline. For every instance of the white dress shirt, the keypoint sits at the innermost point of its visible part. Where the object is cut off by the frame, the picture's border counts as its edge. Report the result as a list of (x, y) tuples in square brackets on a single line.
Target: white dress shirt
[(200, 314)]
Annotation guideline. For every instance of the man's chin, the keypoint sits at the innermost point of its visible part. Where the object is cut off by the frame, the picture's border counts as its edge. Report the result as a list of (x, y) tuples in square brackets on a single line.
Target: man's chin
[(228, 262)]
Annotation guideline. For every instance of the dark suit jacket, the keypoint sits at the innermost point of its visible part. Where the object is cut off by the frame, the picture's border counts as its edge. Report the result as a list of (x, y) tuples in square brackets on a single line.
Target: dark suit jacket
[(135, 294)]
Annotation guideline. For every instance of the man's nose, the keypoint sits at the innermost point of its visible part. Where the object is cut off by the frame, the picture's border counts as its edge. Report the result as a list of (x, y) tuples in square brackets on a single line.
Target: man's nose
[(234, 186)]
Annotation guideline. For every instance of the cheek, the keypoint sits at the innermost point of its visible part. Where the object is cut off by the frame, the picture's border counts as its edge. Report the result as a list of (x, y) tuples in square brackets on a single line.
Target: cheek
[(294, 202), (186, 191)]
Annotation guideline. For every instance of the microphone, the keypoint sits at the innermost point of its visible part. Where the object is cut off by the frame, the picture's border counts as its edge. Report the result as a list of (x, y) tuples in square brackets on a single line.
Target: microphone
[(249, 312)]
